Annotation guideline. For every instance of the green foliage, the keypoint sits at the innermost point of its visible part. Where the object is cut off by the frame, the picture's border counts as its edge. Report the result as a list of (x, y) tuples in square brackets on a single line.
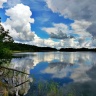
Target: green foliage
[(53, 89), (5, 52), (5, 37), (45, 89), (71, 94)]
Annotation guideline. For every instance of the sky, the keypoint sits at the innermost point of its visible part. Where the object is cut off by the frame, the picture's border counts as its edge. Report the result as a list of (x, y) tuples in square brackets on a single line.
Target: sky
[(51, 23)]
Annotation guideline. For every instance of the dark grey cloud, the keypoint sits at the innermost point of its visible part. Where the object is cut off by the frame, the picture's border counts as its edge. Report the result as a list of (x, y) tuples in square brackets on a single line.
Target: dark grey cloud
[(61, 35), (92, 29), (74, 9)]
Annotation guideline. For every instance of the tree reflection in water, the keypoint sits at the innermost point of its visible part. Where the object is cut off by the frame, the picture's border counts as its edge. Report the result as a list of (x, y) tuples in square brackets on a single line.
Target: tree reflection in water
[(12, 81)]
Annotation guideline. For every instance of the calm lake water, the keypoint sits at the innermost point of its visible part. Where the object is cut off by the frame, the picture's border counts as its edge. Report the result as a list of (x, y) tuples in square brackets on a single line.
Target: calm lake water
[(74, 72)]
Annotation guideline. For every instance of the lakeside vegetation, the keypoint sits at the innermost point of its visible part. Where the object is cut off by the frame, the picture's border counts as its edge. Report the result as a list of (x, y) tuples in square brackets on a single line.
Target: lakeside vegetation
[(27, 48), (4, 38), (11, 80)]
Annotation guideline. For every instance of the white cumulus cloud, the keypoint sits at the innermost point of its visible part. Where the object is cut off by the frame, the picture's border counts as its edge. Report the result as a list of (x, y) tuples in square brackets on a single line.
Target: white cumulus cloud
[(80, 26), (19, 23), (44, 42)]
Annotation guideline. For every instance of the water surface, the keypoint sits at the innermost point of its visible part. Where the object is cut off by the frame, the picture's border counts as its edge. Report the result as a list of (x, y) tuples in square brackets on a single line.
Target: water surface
[(75, 70)]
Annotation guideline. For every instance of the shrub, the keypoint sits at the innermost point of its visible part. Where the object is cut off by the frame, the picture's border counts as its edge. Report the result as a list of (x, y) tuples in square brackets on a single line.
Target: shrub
[(5, 52)]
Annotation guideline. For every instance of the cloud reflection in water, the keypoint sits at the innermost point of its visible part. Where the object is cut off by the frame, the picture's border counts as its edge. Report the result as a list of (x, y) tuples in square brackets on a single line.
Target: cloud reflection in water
[(73, 65)]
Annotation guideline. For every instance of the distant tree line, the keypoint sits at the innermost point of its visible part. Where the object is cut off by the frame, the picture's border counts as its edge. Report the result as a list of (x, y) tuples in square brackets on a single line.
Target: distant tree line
[(76, 49), (25, 47)]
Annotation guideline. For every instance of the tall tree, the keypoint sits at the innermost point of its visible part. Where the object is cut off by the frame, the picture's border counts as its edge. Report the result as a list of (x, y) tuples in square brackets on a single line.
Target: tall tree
[(5, 41), (4, 35)]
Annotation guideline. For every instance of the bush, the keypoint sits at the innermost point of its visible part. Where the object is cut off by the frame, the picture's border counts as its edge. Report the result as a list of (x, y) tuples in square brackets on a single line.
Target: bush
[(5, 52)]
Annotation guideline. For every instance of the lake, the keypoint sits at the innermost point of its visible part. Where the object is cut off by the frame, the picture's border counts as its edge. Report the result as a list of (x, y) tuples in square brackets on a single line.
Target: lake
[(50, 74)]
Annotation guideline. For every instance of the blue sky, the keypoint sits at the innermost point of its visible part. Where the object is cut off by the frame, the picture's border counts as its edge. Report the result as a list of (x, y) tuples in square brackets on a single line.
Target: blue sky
[(50, 23)]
